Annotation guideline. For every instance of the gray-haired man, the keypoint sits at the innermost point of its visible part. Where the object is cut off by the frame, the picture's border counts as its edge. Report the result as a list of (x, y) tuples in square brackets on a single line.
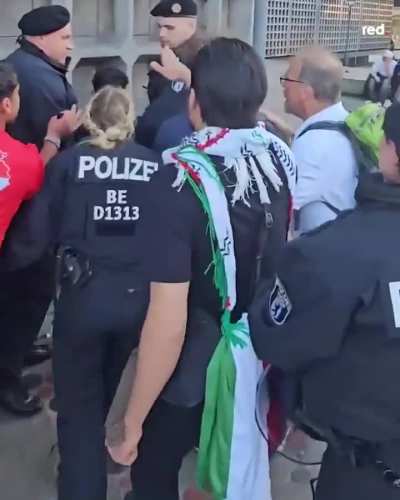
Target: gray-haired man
[(327, 168)]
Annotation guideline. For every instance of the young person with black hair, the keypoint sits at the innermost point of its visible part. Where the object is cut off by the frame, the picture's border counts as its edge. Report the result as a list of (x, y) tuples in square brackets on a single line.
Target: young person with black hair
[(41, 63), (21, 177), (109, 75), (254, 171), (330, 319)]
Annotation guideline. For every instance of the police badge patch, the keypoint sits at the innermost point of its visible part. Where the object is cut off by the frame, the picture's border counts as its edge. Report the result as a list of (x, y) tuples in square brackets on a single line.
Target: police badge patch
[(279, 303), (176, 8), (177, 86)]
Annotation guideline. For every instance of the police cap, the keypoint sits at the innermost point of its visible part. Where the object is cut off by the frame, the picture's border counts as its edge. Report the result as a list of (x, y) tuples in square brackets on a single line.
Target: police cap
[(44, 20), (175, 8)]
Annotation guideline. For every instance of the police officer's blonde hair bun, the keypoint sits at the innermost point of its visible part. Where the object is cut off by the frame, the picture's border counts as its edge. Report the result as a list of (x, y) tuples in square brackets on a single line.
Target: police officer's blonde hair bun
[(109, 117)]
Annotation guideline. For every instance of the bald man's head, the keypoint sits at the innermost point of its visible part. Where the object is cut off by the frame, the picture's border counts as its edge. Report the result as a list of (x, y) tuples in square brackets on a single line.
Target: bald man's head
[(314, 81)]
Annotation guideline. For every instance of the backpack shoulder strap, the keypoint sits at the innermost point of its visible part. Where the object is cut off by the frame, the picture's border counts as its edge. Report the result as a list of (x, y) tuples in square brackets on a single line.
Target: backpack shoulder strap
[(362, 157), (326, 125)]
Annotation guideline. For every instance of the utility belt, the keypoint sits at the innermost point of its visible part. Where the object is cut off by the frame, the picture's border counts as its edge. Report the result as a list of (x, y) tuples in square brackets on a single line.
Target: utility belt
[(360, 453), (73, 269)]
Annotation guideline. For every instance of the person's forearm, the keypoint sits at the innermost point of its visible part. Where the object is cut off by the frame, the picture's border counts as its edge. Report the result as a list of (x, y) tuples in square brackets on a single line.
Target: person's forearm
[(48, 151), (187, 77), (159, 350)]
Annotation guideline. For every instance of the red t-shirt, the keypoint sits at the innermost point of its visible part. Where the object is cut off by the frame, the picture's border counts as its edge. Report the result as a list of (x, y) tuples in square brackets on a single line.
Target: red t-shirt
[(21, 177)]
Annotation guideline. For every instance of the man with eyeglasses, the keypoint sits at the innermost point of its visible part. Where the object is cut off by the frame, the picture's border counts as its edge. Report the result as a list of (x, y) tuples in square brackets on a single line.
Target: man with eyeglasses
[(327, 168)]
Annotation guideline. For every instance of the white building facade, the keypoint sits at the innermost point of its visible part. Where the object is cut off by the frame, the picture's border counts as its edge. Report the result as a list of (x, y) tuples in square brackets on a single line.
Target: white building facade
[(335, 24), (123, 32)]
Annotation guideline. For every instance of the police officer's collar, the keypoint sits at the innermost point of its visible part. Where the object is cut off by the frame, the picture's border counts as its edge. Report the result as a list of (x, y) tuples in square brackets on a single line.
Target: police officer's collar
[(373, 188), (32, 49)]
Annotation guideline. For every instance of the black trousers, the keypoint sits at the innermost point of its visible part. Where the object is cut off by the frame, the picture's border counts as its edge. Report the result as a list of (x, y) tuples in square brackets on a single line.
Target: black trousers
[(25, 296), (339, 480), (169, 434), (96, 328)]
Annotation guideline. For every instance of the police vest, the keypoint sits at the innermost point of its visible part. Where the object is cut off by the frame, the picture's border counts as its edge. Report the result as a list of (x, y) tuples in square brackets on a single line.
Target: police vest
[(104, 201)]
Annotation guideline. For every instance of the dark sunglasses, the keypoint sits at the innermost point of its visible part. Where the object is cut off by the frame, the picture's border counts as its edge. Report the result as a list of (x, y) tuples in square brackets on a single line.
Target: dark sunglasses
[(283, 79)]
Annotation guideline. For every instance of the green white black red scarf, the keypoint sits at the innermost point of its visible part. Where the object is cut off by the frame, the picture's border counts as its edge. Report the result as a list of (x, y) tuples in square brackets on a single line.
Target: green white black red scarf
[(233, 457)]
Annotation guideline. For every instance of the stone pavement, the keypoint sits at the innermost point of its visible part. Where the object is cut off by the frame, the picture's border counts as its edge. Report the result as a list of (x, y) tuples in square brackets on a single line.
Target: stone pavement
[(28, 461)]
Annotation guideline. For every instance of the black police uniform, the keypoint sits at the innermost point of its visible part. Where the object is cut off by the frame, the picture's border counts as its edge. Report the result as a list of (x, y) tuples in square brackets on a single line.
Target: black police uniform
[(172, 102), (42, 97), (179, 251), (331, 321), (44, 92), (172, 97), (92, 207), (44, 88)]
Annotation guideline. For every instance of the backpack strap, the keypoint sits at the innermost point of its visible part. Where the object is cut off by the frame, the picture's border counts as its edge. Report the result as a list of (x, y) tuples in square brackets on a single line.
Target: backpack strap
[(325, 125), (344, 130), (266, 224), (362, 157)]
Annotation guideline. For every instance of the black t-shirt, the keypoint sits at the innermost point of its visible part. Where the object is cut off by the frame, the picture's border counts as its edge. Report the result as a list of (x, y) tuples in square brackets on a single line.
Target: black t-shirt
[(178, 250), (178, 247)]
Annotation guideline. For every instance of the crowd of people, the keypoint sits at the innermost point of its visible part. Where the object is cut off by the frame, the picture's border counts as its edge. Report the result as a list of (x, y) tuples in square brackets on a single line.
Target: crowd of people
[(168, 234), (384, 80)]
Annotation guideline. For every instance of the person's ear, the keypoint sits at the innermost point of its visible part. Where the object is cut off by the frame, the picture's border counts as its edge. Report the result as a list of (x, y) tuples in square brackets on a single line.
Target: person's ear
[(6, 105), (307, 92)]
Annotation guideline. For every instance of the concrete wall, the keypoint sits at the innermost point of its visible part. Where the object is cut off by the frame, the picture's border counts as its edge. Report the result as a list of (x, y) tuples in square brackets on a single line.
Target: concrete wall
[(122, 32)]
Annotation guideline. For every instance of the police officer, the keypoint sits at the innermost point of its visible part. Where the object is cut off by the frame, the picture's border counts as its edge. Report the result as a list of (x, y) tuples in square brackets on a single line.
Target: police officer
[(91, 208), (178, 25), (331, 320), (41, 66)]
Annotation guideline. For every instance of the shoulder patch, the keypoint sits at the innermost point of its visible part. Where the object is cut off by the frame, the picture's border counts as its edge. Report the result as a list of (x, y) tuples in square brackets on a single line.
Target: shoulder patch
[(279, 304), (177, 86)]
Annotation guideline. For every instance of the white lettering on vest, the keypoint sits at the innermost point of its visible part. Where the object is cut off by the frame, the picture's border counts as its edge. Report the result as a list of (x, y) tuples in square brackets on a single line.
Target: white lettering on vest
[(98, 212), (100, 172), (105, 167), (394, 289), (86, 163), (116, 213), (149, 168), (116, 196)]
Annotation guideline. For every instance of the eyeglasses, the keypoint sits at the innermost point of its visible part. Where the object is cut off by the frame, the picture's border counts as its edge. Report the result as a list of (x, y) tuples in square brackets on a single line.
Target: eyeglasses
[(284, 79)]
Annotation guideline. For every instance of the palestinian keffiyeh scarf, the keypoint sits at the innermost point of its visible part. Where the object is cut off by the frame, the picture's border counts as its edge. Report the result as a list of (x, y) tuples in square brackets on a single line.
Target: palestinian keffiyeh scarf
[(233, 459)]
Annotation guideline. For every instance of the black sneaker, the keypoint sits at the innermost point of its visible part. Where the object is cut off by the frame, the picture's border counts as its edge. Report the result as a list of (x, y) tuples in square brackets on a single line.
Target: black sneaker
[(38, 355), (18, 400)]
